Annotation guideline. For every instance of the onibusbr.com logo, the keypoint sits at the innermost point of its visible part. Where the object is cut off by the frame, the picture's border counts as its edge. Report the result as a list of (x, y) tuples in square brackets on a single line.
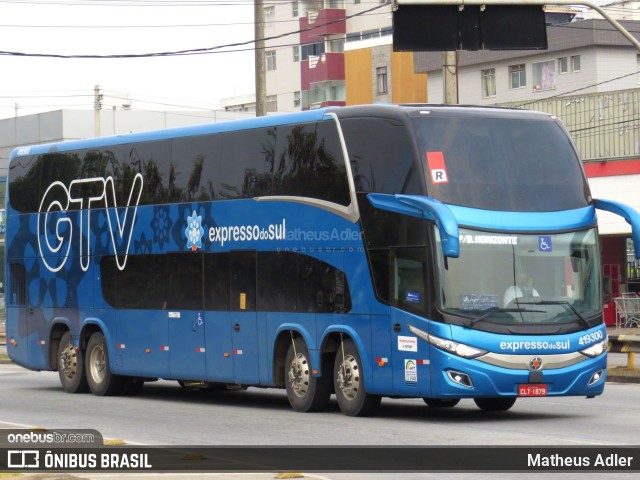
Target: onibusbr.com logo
[(65, 450)]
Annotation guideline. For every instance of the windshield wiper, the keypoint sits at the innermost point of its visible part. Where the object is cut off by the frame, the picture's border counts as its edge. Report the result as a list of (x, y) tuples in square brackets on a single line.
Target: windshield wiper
[(493, 310), (563, 303)]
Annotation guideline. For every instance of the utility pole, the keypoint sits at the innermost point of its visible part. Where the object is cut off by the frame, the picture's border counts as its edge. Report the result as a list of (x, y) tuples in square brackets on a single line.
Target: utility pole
[(450, 77), (261, 78), (97, 106)]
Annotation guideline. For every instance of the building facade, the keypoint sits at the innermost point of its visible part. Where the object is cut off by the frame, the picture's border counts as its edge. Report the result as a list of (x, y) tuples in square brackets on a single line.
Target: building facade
[(335, 52), (588, 56)]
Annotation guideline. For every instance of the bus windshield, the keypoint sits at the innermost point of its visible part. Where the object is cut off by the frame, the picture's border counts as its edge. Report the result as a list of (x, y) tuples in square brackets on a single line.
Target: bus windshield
[(515, 162), (522, 278)]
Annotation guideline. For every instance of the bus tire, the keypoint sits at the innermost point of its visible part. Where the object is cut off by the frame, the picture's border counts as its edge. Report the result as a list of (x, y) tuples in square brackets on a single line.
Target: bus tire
[(348, 379), (101, 381), (306, 393), (441, 402), (497, 404), (71, 366)]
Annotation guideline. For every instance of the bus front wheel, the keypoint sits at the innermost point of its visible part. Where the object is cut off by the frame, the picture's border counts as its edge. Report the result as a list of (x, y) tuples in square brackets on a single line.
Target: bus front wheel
[(348, 379), (497, 404), (71, 366), (305, 392), (101, 381)]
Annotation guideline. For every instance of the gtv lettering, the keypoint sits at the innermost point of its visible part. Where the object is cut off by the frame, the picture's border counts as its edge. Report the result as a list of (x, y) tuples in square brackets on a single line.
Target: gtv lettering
[(52, 213)]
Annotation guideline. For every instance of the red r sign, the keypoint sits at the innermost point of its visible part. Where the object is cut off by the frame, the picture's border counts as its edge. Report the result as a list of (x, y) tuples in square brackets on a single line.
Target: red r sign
[(437, 167)]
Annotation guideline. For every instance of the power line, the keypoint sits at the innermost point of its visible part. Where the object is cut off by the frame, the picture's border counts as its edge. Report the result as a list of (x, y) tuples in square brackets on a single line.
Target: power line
[(192, 51), (185, 25)]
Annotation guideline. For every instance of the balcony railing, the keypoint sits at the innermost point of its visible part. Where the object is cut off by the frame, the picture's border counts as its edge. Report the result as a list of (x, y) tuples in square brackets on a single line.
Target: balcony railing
[(603, 125)]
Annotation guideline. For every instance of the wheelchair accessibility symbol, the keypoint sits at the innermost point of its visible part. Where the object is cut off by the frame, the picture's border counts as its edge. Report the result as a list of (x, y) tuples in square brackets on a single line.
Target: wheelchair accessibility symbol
[(544, 244)]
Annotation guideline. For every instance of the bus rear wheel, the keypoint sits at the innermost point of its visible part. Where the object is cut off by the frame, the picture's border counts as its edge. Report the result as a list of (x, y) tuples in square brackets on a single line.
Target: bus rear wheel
[(71, 366), (497, 404), (101, 381), (305, 392), (348, 379)]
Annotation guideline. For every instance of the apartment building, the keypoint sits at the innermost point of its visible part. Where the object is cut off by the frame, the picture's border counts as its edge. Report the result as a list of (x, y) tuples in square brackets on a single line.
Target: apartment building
[(335, 52), (589, 56)]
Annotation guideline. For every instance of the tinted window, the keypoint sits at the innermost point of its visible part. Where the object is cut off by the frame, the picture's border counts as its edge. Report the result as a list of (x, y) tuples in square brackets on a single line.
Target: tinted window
[(18, 287), (498, 163), (322, 287), (382, 231), (383, 156), (287, 282), (32, 176), (379, 262), (108, 279), (216, 281), (277, 281), (24, 185), (103, 163), (243, 281), (142, 284), (197, 159), (295, 160), (163, 180), (184, 288), (408, 278)]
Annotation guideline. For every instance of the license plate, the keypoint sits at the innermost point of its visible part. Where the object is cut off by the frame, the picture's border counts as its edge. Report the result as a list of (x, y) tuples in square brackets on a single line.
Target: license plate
[(532, 390)]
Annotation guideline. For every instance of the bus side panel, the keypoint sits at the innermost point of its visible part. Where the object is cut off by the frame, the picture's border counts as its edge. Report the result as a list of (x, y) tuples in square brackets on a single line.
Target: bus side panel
[(143, 342), (38, 343), (265, 351), (245, 348), (411, 359), (219, 356), (17, 335), (187, 337), (381, 349)]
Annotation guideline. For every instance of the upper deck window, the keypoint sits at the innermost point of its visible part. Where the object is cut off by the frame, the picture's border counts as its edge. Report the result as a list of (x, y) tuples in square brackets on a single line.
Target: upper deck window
[(303, 160), (513, 163)]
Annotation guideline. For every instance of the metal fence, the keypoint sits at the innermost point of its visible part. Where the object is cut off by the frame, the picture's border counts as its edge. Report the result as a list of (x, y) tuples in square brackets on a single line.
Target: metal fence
[(603, 125)]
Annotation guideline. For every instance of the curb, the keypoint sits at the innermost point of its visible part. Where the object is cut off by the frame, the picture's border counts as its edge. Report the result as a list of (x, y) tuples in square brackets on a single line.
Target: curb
[(623, 375)]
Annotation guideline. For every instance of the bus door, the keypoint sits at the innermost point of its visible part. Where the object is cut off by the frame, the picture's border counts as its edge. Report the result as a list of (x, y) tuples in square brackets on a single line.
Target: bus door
[(186, 316), (411, 372), (244, 327), (217, 317)]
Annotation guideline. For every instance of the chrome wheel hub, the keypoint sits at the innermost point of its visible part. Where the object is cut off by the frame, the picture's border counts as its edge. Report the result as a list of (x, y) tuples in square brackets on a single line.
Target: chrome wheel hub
[(349, 377), (97, 364), (68, 361), (299, 375)]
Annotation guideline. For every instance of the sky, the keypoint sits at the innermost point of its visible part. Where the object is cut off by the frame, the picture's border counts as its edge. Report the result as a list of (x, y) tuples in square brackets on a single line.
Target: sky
[(123, 27)]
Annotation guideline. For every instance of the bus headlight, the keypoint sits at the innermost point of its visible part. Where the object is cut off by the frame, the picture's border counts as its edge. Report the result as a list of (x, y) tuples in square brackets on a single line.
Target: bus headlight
[(456, 348), (450, 346), (596, 349)]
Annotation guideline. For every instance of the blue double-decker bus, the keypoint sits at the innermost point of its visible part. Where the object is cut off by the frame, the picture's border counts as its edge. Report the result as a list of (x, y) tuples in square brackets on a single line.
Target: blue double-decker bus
[(404, 251)]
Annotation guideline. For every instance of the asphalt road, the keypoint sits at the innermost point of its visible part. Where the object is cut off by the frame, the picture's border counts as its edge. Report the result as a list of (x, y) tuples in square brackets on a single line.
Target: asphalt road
[(166, 414)]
